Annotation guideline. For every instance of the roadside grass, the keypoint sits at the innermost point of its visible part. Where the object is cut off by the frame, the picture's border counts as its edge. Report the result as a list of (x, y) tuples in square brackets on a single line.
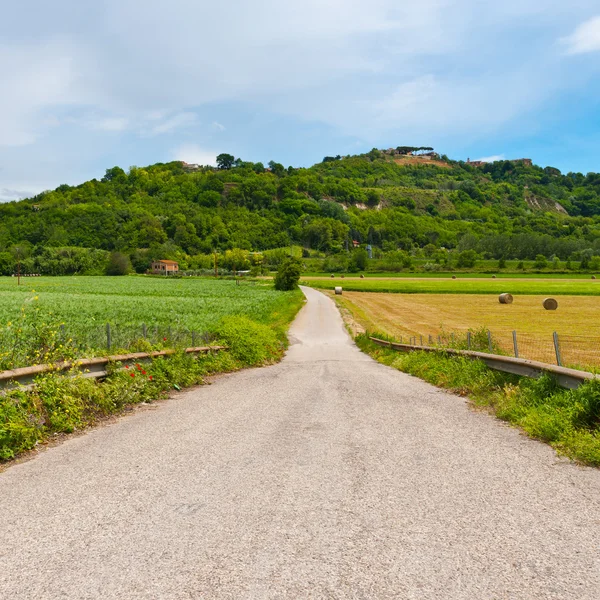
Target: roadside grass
[(64, 403), (463, 285), (568, 420)]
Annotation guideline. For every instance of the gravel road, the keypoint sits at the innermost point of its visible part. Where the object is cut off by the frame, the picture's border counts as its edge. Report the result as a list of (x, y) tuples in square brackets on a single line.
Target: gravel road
[(325, 476)]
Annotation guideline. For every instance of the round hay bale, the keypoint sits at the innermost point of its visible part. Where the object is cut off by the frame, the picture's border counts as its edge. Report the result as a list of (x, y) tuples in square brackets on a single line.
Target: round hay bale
[(453, 276), (550, 304), (343, 276), (362, 276), (493, 277), (338, 291), (505, 298), (593, 277), (332, 276)]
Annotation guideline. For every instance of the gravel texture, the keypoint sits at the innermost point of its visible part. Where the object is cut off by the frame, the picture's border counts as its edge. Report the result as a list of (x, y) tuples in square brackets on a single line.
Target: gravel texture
[(325, 476)]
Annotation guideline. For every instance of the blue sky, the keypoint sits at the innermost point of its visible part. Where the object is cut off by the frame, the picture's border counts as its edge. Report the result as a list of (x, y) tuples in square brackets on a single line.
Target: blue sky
[(130, 82)]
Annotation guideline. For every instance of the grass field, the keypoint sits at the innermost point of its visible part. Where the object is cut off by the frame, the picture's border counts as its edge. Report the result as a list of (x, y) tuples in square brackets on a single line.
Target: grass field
[(170, 308), (577, 321), (425, 285)]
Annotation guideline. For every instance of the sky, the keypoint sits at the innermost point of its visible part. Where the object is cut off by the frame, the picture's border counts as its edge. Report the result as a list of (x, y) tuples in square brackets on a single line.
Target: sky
[(87, 86)]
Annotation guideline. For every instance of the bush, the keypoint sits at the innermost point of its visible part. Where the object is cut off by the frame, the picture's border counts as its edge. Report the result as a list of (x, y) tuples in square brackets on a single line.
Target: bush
[(288, 275), (466, 259), (250, 343), (118, 264)]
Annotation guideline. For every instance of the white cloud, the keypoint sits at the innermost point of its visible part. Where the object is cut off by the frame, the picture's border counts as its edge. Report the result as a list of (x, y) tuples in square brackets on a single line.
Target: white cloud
[(491, 159), (112, 124), (194, 154), (174, 123), (383, 71), (35, 78), (7, 195), (586, 38)]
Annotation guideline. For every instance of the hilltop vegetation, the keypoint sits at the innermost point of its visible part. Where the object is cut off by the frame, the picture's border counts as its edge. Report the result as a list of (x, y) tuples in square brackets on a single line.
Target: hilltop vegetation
[(442, 211)]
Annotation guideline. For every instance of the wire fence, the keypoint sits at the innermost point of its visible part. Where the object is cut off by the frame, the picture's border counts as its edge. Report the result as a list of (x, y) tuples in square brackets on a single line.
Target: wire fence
[(130, 337), (30, 345), (576, 351)]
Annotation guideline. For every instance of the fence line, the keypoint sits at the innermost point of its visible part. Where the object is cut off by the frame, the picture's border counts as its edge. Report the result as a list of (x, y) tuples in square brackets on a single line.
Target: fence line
[(22, 347), (90, 367), (577, 351), (568, 378)]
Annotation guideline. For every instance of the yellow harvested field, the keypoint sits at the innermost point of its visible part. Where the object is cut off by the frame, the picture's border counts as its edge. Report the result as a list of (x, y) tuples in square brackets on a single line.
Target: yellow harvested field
[(577, 321)]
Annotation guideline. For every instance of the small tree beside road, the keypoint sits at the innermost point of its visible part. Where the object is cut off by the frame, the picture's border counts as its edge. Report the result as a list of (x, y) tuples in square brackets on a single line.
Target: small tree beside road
[(288, 275)]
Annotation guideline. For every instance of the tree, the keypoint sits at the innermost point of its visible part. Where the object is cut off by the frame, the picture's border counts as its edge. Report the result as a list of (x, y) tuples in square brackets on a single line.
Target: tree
[(541, 262), (466, 259), (288, 275), (7, 263), (225, 161), (373, 198), (358, 260), (236, 260), (276, 168), (118, 264)]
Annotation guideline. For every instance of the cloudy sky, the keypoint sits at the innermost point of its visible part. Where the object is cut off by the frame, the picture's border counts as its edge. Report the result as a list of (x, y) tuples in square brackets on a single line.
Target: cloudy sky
[(86, 86)]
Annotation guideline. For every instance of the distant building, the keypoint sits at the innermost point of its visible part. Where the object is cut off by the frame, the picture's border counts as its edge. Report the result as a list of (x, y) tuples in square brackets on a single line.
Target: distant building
[(476, 163), (479, 163), (355, 243), (165, 267), (190, 167), (526, 161)]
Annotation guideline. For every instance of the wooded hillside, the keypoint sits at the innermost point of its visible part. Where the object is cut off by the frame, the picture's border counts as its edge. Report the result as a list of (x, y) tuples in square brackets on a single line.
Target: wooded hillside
[(500, 210)]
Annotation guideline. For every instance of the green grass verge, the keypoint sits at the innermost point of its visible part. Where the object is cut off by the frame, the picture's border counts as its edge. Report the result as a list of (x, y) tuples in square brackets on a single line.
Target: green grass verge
[(568, 420), (462, 286), (63, 404)]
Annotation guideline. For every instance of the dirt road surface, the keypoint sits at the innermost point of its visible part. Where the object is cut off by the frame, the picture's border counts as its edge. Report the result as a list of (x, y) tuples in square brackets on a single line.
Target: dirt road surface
[(325, 476)]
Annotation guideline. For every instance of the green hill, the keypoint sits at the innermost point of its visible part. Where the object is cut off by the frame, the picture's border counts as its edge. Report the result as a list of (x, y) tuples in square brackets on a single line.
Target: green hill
[(403, 206)]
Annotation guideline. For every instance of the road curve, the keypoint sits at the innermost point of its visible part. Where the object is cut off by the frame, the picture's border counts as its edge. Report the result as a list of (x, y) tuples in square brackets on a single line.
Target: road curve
[(325, 476)]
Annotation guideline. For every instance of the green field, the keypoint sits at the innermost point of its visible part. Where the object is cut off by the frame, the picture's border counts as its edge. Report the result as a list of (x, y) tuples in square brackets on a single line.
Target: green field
[(464, 285), (73, 312)]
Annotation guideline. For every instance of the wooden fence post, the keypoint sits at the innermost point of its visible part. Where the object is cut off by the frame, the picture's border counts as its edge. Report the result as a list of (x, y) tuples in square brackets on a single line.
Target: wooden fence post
[(557, 349), (108, 336), (515, 345)]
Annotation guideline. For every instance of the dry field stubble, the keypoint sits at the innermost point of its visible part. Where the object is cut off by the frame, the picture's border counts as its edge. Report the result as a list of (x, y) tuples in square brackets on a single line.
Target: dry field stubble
[(577, 321)]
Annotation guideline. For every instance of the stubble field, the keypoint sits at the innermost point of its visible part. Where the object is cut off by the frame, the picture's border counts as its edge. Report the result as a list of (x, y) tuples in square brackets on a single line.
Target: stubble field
[(577, 321)]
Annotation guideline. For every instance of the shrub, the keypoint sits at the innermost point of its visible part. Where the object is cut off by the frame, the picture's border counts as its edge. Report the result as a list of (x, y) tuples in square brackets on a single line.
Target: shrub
[(288, 275), (118, 264), (466, 259), (249, 342)]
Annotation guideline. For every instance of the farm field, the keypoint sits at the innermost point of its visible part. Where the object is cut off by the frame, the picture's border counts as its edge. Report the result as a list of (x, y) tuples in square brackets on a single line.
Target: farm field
[(577, 321), (448, 275), (426, 285), (75, 310)]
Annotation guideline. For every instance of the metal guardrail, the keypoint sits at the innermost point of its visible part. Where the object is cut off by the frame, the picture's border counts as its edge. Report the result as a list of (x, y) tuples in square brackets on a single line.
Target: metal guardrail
[(567, 378), (90, 367)]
